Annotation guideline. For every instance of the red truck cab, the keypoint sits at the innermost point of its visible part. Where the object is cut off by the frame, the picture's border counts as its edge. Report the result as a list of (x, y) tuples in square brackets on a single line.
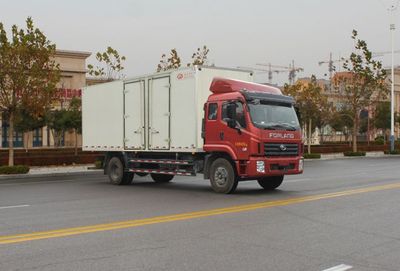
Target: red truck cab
[(257, 126)]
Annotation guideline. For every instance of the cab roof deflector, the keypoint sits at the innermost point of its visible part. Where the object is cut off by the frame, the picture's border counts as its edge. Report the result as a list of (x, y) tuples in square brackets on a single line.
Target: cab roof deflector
[(224, 85)]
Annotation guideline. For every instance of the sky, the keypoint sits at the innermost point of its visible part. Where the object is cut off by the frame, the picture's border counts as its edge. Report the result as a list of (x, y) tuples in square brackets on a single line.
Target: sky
[(238, 33)]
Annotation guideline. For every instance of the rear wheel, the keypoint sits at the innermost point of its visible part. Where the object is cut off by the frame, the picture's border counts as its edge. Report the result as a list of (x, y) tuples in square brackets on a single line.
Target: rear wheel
[(161, 178), (116, 172), (223, 178), (271, 182)]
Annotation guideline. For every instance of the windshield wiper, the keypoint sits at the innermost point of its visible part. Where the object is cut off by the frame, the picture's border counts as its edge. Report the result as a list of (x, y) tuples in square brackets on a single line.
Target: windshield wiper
[(277, 126)]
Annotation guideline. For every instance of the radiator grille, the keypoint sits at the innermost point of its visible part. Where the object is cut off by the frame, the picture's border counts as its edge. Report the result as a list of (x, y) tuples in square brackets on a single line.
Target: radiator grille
[(281, 149)]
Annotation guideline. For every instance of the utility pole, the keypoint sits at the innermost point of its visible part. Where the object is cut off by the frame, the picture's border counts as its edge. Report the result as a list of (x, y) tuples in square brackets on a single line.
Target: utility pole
[(392, 28)]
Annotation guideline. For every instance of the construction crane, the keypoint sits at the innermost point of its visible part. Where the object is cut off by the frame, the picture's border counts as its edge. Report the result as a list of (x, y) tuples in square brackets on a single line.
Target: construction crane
[(270, 71), (331, 67), (291, 69), (378, 54)]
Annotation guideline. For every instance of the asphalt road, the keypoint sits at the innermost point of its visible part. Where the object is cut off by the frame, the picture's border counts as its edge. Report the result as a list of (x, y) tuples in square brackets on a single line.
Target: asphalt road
[(339, 213)]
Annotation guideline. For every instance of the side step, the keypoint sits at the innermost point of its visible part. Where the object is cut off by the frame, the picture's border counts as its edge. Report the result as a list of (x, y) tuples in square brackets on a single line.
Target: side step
[(160, 171), (161, 161)]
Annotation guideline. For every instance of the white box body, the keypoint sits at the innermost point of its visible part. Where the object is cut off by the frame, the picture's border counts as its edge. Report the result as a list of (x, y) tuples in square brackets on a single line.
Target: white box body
[(161, 112)]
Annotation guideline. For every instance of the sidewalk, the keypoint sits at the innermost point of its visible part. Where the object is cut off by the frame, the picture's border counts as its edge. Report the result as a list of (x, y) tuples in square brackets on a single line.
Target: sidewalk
[(60, 169), (54, 171), (330, 156)]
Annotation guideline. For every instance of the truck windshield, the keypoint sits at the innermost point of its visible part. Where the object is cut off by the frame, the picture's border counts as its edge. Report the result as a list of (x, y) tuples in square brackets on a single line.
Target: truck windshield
[(273, 116)]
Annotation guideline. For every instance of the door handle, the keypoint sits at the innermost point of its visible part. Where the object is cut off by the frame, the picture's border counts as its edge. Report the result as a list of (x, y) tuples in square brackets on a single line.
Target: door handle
[(153, 131), (221, 135)]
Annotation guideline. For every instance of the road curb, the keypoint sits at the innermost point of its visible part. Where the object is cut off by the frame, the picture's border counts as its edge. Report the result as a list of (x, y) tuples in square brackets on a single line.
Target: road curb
[(50, 174), (340, 157)]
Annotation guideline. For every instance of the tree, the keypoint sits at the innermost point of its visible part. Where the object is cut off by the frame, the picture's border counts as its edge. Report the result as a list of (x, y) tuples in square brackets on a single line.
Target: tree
[(66, 119), (110, 65), (28, 74), (26, 122), (397, 118), (364, 122), (75, 119), (363, 83), (326, 111), (200, 56), (342, 121), (310, 101), (56, 121), (173, 62), (381, 118)]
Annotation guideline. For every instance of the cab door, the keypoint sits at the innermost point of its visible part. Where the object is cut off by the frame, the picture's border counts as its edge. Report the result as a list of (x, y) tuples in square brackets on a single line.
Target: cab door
[(237, 138), (218, 132)]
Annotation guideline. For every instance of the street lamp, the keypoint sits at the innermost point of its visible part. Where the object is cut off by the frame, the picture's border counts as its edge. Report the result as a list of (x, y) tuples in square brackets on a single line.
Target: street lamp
[(392, 28)]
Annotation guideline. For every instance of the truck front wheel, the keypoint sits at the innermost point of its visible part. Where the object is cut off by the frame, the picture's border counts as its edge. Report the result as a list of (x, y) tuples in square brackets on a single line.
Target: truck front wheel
[(116, 172), (271, 182), (161, 178), (223, 178)]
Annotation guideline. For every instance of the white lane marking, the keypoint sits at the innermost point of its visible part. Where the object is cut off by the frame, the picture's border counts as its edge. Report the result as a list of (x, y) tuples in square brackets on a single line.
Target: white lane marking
[(340, 267), (15, 206)]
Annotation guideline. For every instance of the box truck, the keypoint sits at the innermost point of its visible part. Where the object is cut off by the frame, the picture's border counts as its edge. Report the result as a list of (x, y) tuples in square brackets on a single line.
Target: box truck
[(197, 120)]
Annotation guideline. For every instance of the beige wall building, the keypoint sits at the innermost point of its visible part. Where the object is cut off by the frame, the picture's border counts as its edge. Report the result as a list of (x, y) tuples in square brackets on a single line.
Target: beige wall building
[(334, 94), (73, 79)]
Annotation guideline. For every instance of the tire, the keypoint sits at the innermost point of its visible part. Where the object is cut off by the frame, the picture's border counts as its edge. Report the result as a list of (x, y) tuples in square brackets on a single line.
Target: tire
[(270, 183), (116, 172), (161, 178), (223, 177), (141, 174)]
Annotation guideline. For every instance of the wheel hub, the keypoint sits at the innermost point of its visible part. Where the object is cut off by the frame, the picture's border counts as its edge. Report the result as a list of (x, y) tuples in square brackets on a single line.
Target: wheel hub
[(115, 172), (221, 176)]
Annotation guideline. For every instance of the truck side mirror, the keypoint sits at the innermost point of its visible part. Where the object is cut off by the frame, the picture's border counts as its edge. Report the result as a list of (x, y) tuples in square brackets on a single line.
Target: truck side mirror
[(231, 111), (231, 123)]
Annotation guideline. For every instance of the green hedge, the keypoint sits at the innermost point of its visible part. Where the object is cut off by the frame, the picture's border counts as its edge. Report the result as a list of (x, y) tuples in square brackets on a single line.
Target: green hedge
[(379, 141), (312, 156), (393, 152), (14, 169), (358, 153)]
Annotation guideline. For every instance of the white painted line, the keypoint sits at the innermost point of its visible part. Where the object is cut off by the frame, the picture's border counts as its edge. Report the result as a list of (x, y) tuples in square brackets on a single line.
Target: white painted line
[(15, 206), (340, 267)]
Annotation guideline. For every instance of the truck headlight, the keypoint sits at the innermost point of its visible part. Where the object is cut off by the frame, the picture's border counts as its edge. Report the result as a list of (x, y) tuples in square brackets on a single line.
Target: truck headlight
[(301, 164), (260, 166)]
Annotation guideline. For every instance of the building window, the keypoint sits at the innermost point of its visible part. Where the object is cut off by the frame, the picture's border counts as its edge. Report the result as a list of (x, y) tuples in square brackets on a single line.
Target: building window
[(37, 138), (18, 137)]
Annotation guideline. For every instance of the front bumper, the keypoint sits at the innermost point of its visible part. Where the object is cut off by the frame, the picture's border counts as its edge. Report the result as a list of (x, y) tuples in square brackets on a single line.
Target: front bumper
[(264, 166)]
